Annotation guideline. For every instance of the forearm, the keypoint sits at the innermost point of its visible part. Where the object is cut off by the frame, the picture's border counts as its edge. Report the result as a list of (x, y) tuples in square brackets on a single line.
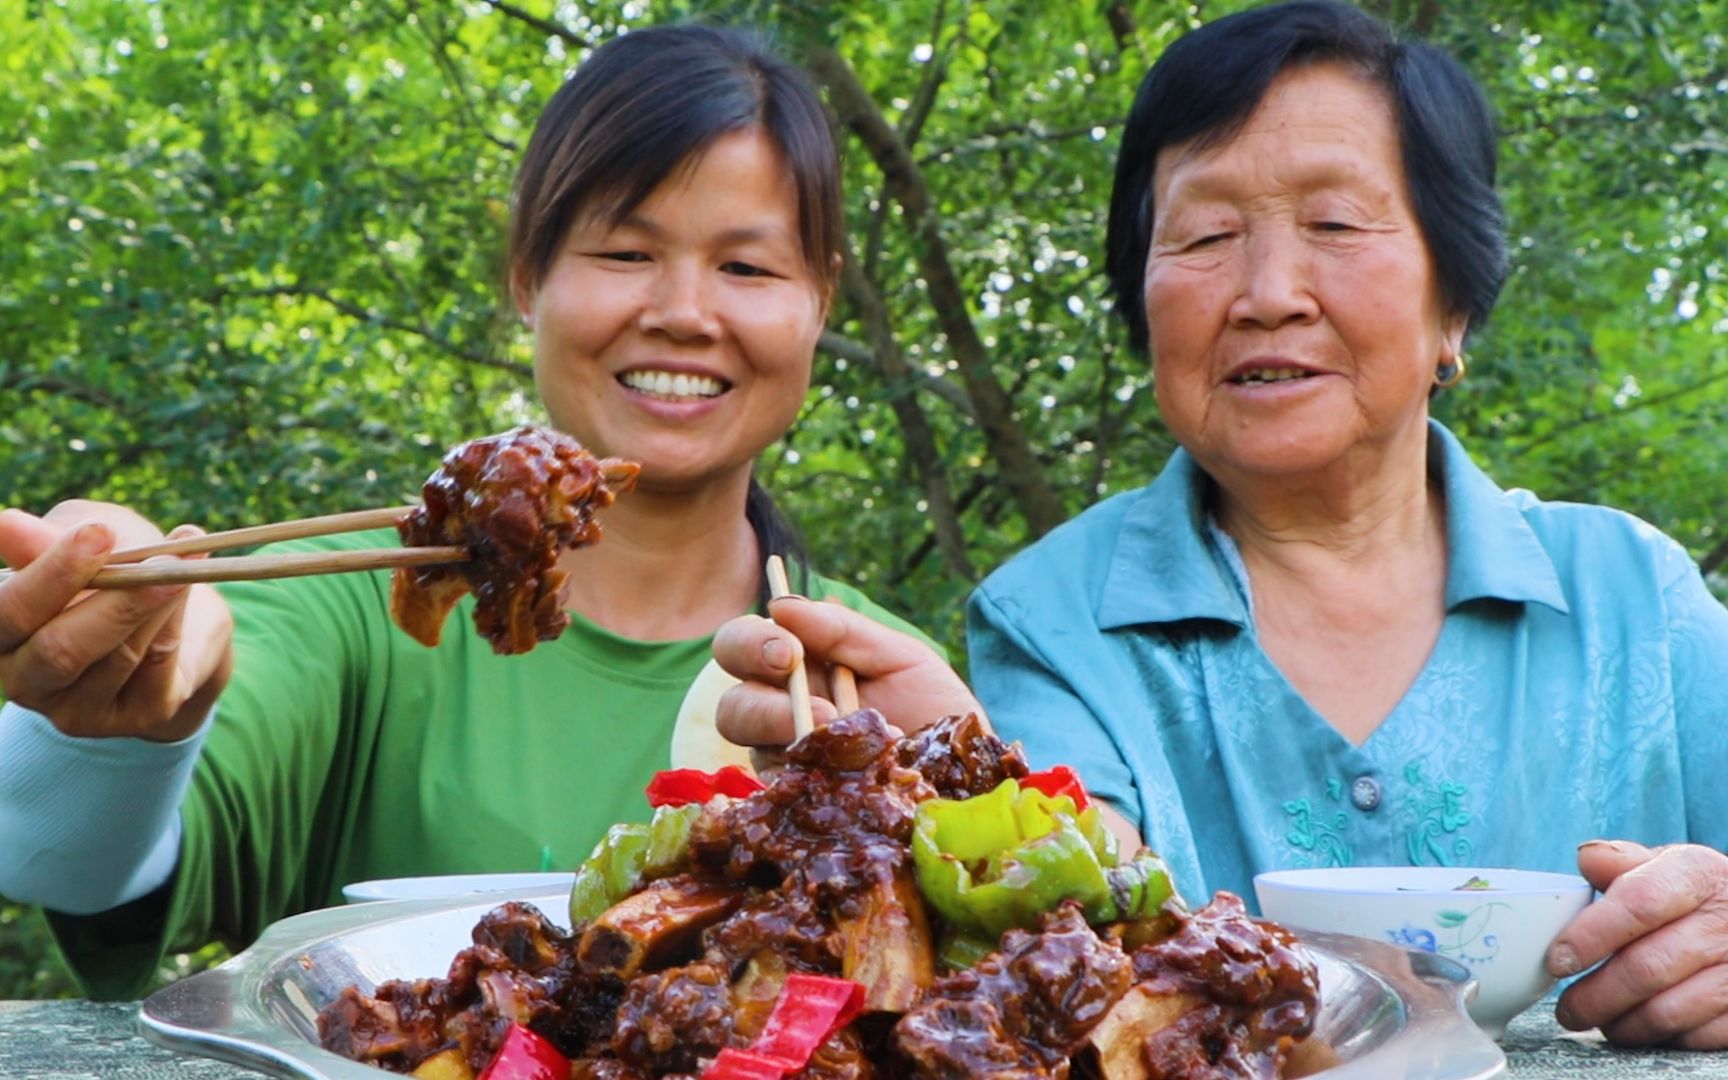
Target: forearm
[(87, 824)]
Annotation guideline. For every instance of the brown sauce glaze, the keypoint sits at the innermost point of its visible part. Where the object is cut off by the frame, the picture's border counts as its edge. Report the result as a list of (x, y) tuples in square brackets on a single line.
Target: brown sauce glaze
[(515, 501)]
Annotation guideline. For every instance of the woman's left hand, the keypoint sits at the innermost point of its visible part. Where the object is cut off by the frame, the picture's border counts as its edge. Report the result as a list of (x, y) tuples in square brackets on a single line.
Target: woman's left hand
[(1660, 932)]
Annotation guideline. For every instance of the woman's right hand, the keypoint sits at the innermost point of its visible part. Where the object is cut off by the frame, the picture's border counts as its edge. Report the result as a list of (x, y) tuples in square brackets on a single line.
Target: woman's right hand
[(146, 662), (898, 675)]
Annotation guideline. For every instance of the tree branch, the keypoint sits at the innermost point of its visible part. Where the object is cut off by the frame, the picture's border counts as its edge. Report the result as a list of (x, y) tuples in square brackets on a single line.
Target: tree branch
[(914, 425), (1019, 466), (912, 128), (1122, 26), (545, 26), (912, 124), (458, 85), (421, 331), (1642, 403), (856, 352), (26, 382), (979, 485), (1714, 558), (988, 139)]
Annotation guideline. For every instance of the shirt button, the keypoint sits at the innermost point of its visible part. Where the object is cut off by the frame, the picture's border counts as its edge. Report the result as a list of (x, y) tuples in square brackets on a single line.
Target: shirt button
[(1365, 793)]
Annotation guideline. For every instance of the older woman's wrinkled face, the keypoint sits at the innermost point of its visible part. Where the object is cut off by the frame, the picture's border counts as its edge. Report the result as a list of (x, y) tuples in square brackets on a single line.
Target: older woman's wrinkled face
[(1295, 318)]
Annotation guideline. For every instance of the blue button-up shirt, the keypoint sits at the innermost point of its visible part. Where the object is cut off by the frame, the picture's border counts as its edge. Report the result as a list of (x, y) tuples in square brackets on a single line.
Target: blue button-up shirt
[(1578, 689)]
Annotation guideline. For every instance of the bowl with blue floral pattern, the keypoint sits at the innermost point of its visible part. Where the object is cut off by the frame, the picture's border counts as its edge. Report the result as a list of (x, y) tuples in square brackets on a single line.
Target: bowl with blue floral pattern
[(1497, 923)]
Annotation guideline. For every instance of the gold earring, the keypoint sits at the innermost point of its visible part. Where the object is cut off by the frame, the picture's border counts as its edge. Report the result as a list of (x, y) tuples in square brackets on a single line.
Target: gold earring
[(1445, 379)]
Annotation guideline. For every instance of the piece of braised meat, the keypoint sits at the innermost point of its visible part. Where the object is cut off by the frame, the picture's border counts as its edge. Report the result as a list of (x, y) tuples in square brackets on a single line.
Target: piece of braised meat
[(516, 972), (402, 1023), (782, 923), (960, 758), (659, 925), (523, 934), (515, 502), (670, 1020), (1226, 997), (841, 811), (1023, 1010), (836, 825)]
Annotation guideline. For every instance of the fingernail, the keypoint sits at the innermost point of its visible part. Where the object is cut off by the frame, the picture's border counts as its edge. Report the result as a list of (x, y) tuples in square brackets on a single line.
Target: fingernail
[(1563, 1016), (1612, 845), (93, 538), (1562, 961), (777, 654), (787, 596)]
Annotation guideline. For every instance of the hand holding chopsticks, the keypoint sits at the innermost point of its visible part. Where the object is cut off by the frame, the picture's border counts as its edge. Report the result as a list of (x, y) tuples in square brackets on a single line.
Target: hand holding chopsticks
[(126, 568), (798, 684)]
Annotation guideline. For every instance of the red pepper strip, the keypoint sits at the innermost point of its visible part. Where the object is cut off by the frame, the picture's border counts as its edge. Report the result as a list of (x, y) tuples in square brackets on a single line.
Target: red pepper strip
[(526, 1056), (735, 781), (731, 1064), (1057, 781), (680, 787), (810, 1008)]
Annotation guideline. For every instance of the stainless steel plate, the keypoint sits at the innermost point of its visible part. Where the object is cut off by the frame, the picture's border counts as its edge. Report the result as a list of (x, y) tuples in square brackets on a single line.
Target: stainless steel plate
[(1385, 1012)]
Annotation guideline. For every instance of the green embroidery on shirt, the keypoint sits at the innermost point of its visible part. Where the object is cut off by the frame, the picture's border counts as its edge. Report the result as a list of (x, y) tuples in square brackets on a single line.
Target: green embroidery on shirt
[(1321, 840), (1335, 789), (1438, 809)]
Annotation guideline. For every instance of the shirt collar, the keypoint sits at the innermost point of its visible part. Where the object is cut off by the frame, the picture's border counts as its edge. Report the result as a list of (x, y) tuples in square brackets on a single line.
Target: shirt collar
[(1163, 569), (1492, 552)]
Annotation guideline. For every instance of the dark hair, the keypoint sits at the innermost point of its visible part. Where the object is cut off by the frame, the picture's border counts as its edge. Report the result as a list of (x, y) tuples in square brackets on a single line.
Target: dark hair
[(1207, 84), (642, 107)]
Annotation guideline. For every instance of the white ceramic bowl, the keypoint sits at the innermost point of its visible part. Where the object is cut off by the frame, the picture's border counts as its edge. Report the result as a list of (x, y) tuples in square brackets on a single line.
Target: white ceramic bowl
[(1500, 933), (447, 885)]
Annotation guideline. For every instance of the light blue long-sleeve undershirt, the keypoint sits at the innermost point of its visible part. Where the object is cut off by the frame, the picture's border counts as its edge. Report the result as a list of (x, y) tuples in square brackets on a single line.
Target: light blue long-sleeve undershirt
[(88, 824)]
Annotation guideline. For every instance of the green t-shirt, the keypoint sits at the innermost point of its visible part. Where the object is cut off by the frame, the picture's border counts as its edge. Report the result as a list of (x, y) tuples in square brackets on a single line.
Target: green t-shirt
[(343, 751)]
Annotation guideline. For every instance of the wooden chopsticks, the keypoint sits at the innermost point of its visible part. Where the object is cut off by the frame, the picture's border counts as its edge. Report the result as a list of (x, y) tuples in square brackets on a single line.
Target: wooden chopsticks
[(844, 683), (262, 567), (803, 719), (126, 570), (328, 525)]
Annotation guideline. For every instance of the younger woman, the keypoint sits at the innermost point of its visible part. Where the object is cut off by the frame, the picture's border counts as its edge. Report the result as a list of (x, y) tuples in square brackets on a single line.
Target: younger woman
[(675, 245)]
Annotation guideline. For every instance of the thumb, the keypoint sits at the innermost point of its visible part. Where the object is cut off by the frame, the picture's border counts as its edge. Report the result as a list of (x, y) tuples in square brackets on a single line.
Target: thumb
[(1602, 861)]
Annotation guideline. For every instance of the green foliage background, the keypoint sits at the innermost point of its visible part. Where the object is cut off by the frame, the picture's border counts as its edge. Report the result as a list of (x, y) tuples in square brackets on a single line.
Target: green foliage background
[(249, 264)]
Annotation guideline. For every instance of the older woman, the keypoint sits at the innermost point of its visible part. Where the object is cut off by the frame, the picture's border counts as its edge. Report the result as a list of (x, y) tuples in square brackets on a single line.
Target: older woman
[(1322, 635)]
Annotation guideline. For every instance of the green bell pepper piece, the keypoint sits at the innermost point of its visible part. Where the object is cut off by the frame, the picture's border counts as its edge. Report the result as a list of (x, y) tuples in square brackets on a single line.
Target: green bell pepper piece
[(1140, 888), (630, 855), (669, 840), (1001, 859), (962, 950), (609, 873)]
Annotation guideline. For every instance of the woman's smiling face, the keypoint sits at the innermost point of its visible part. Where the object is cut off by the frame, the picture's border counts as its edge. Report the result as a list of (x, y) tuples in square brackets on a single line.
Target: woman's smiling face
[(681, 336), (1295, 319)]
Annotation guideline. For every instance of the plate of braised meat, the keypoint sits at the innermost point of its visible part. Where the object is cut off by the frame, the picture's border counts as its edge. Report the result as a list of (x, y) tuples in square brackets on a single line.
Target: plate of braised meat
[(884, 906)]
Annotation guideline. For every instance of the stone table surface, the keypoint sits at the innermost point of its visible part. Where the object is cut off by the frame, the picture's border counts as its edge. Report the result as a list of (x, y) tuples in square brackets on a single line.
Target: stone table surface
[(86, 1040)]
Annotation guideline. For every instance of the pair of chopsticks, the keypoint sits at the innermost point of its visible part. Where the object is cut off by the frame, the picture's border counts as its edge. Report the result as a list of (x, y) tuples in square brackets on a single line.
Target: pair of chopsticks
[(844, 683), (118, 574)]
